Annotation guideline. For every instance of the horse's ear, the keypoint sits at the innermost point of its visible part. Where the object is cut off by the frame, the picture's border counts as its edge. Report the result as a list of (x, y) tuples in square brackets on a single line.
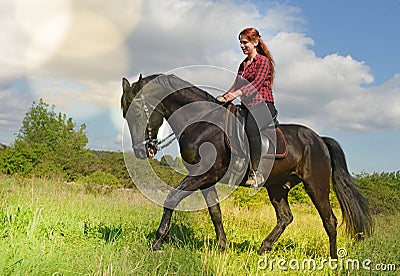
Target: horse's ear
[(140, 77), (125, 84)]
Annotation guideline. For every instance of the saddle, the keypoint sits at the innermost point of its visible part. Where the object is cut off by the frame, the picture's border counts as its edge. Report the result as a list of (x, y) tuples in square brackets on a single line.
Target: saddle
[(273, 140)]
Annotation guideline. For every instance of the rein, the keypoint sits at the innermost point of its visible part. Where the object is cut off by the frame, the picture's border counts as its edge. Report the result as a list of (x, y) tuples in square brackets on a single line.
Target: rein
[(160, 144)]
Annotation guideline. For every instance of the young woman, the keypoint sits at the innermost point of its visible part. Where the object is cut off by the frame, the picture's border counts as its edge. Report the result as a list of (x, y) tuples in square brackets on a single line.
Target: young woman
[(253, 84)]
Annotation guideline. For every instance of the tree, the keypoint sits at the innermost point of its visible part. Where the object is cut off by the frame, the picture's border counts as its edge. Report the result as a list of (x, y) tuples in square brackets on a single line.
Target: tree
[(48, 144), (43, 126)]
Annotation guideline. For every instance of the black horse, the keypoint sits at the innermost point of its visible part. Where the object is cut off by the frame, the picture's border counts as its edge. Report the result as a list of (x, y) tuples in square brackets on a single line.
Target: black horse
[(311, 160)]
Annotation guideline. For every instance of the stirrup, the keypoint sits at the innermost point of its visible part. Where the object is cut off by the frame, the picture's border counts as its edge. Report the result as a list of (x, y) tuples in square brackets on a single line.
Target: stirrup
[(256, 179)]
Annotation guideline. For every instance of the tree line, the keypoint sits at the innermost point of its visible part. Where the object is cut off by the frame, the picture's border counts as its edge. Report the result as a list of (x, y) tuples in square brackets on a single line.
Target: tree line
[(51, 145)]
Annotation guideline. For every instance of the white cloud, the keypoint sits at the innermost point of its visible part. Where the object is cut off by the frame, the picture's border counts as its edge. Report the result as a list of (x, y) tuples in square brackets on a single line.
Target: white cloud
[(31, 33), (67, 38), (118, 140), (373, 108), (86, 67), (13, 105), (174, 33), (80, 98), (329, 92), (76, 59)]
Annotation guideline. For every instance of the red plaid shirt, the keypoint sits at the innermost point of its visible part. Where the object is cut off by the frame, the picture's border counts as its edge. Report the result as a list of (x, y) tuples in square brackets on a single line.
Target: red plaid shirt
[(254, 81)]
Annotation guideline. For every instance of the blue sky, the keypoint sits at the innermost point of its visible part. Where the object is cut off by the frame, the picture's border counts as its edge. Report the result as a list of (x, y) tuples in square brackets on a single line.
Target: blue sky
[(366, 30), (337, 62)]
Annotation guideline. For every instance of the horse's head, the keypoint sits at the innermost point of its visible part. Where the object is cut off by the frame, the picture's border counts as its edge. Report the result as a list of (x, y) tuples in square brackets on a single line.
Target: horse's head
[(144, 119)]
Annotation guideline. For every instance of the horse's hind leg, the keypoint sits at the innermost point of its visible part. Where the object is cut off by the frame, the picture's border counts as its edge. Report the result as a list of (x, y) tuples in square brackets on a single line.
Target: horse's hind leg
[(211, 197), (188, 185), (318, 187), (278, 195)]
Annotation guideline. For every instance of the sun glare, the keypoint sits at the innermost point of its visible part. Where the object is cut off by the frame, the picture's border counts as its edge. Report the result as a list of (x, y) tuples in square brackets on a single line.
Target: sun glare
[(45, 24)]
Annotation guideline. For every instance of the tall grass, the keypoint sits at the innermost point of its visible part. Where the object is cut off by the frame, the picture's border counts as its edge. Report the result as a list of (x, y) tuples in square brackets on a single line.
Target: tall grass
[(48, 227)]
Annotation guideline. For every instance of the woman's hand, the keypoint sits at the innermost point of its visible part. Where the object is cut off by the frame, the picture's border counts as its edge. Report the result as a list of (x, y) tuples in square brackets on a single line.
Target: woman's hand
[(221, 99), (228, 97)]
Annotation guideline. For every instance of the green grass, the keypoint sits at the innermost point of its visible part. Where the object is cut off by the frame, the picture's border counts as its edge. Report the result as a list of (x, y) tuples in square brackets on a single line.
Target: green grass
[(48, 227)]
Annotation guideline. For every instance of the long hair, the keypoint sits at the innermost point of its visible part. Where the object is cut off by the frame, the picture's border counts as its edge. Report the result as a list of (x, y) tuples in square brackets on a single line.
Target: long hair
[(254, 36)]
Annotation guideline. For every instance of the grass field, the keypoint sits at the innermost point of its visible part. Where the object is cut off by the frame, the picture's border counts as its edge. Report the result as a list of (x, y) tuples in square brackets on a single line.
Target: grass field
[(51, 228)]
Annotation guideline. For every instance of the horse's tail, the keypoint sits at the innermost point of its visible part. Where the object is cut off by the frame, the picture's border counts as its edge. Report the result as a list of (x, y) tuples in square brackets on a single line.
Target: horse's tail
[(355, 210)]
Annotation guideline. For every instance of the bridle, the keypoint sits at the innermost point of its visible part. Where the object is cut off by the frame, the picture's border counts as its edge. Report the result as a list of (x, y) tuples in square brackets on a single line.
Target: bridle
[(155, 143)]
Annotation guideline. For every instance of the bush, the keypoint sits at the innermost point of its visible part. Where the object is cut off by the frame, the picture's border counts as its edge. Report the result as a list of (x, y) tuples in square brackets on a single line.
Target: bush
[(382, 191), (298, 195), (100, 178), (21, 158), (243, 199), (114, 163)]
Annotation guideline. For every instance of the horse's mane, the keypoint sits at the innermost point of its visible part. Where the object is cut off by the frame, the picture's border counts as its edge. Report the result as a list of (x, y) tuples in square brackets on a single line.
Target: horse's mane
[(172, 83)]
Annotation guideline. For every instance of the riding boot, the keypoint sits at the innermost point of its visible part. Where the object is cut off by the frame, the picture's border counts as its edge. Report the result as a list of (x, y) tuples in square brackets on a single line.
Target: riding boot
[(256, 177)]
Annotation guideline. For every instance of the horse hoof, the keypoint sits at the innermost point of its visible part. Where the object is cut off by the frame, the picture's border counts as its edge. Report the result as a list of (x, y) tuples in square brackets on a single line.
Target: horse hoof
[(263, 249), (156, 247)]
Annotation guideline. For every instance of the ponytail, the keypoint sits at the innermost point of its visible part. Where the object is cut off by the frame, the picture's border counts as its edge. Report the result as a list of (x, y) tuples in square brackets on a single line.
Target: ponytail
[(263, 50)]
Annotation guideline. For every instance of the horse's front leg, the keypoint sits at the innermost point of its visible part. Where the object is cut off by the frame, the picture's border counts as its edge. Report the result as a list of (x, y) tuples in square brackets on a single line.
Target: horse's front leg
[(211, 197), (188, 185), (162, 232)]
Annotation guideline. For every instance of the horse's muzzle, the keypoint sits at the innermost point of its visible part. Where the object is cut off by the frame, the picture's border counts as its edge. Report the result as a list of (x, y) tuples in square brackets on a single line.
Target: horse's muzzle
[(140, 153), (148, 150)]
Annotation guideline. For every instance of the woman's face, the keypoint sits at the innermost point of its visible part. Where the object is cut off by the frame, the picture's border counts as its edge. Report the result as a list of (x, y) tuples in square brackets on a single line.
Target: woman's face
[(246, 45)]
